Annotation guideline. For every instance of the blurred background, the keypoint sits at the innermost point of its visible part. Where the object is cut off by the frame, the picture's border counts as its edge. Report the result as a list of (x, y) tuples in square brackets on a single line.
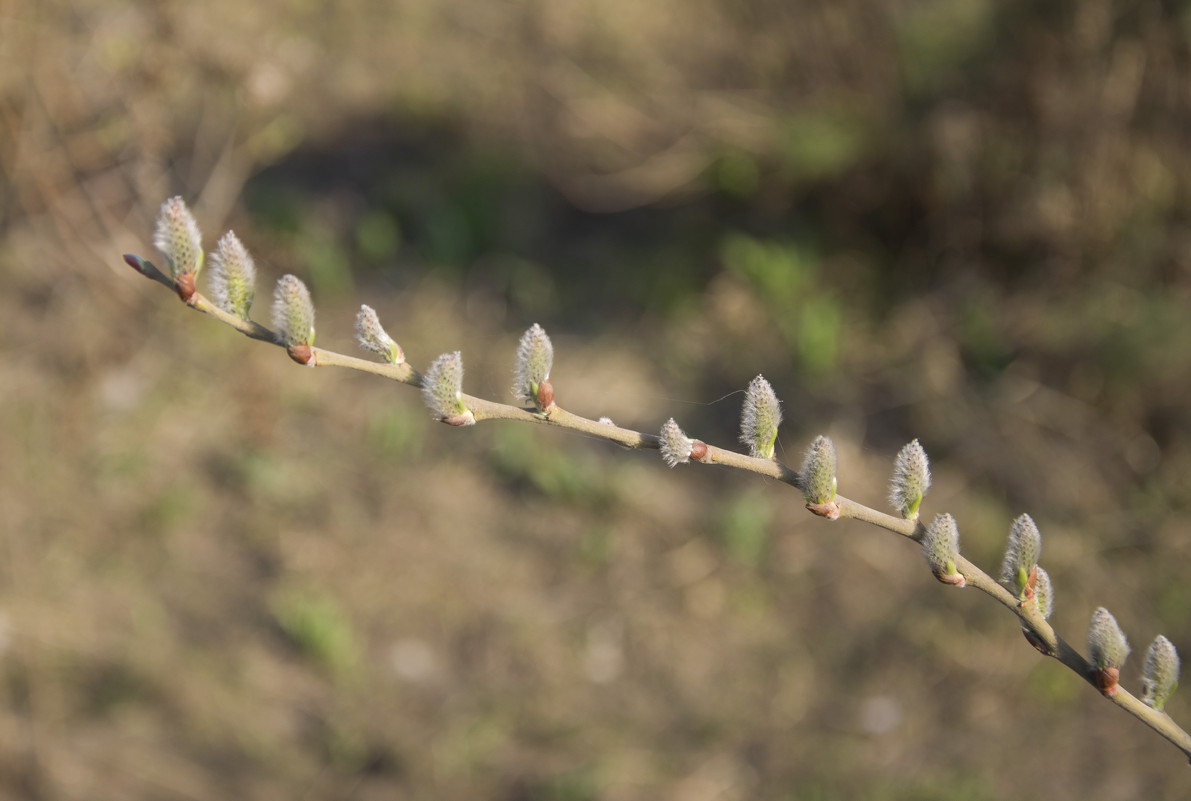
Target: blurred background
[(222, 576)]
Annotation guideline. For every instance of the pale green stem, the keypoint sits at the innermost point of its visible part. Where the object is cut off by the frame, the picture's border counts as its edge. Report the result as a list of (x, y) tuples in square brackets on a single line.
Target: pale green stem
[(246, 327), (397, 372)]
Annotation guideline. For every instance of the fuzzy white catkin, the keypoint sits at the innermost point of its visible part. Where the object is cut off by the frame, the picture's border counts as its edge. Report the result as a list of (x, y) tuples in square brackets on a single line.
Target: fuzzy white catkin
[(1160, 676), (911, 480), (940, 545), (760, 418), (1044, 594), (1107, 646), (535, 358), (442, 386), (1021, 554), (293, 312), (818, 471), (233, 276), (674, 444), (372, 337), (177, 237)]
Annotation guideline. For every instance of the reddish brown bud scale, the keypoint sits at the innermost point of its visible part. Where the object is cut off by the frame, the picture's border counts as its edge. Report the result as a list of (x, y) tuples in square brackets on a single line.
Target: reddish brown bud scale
[(184, 286), (1106, 680), (1031, 581), (302, 354), (545, 395), (698, 450), (955, 579), (828, 510), (465, 419)]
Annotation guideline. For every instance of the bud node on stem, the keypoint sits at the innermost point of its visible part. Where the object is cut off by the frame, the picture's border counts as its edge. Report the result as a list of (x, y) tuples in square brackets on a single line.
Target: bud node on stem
[(828, 510), (954, 579), (545, 396), (302, 354), (184, 286), (1106, 680), (1033, 639)]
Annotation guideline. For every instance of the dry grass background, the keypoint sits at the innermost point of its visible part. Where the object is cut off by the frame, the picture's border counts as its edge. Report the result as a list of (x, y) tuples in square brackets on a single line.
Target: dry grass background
[(225, 577)]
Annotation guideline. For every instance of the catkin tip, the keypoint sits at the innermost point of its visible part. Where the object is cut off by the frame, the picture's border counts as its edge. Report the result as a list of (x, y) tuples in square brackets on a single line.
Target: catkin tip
[(910, 481), (442, 390), (760, 418), (371, 336), (818, 472), (293, 312), (1107, 650), (674, 445), (233, 276), (177, 237), (531, 368)]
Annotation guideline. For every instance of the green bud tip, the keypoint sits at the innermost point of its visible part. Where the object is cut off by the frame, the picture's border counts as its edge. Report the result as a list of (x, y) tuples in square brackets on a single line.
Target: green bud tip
[(442, 390), (372, 337), (674, 444), (1160, 677), (818, 477), (1018, 570), (178, 238), (233, 276), (531, 368), (940, 546), (1107, 650), (293, 313), (911, 480), (760, 418)]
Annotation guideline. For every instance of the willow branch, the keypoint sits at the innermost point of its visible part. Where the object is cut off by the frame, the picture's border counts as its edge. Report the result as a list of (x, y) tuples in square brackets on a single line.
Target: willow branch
[(1050, 643), (833, 506)]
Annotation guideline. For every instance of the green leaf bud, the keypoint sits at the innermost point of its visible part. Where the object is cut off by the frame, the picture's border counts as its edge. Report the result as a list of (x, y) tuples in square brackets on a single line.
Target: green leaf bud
[(674, 444), (911, 480), (293, 312), (177, 237), (531, 368), (233, 276), (1019, 568), (760, 418), (1107, 650), (940, 546), (372, 337), (818, 477), (1160, 676), (442, 390)]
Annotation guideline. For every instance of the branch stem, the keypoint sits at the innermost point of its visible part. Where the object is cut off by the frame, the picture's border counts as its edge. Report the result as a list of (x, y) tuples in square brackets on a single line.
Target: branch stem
[(483, 409)]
